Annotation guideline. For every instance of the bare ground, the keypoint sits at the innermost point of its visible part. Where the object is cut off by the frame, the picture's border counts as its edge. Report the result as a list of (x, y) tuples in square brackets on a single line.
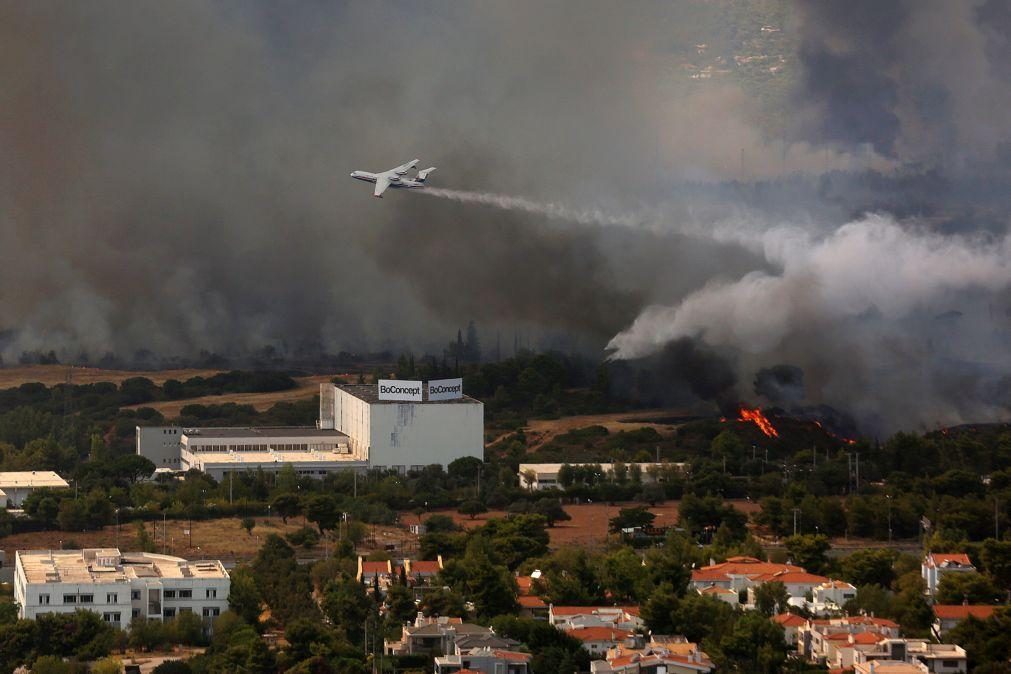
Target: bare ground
[(542, 431), (57, 374), (305, 389)]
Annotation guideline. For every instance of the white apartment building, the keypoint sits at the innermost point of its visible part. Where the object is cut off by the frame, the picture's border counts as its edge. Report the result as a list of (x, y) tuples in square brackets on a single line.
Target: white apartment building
[(120, 587), (936, 565)]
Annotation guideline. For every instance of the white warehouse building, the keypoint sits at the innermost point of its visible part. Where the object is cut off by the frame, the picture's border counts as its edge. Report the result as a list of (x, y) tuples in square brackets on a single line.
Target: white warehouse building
[(118, 586), (355, 430)]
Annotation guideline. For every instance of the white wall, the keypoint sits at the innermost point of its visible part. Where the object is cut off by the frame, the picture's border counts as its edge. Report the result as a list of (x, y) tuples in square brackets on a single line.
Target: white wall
[(419, 434), (160, 444)]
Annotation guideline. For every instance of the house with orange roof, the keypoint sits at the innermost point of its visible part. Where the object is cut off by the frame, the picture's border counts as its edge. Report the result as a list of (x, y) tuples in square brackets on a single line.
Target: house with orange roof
[(833, 594), (737, 573), (668, 654), (790, 622), (817, 639), (948, 616), (937, 564), (371, 572), (598, 640), (799, 584)]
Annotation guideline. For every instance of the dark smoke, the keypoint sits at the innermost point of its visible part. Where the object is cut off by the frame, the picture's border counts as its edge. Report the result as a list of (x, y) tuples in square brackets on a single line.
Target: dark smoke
[(780, 384)]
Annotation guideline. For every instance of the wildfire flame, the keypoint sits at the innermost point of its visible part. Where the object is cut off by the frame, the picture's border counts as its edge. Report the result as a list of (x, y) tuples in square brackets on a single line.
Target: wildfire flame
[(756, 417), (848, 441)]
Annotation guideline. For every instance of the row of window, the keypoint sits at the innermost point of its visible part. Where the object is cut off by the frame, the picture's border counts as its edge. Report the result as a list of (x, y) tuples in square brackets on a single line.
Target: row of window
[(113, 597)]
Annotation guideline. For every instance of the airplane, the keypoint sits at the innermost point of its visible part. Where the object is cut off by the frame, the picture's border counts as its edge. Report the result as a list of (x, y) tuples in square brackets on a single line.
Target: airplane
[(394, 177)]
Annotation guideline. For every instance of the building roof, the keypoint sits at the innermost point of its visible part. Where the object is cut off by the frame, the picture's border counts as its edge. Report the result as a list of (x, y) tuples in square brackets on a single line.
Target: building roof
[(963, 611), (370, 394), (599, 633), (949, 559), (741, 566), (530, 601), (94, 565), (263, 432), (715, 589), (837, 585), (593, 610), (789, 620), (31, 479), (792, 578), (425, 566), (888, 667), (252, 459)]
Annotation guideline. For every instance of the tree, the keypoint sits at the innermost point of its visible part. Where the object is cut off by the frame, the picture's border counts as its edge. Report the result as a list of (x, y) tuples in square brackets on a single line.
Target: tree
[(323, 510), (400, 606), (73, 515), (755, 645), (261, 659), (286, 505), (443, 602), (243, 596), (490, 586), (552, 511), (172, 667), (771, 598), (621, 575), (995, 557), (472, 508), (347, 606), (248, 523), (440, 523), (975, 588), (630, 518), (870, 567), (809, 551), (658, 610)]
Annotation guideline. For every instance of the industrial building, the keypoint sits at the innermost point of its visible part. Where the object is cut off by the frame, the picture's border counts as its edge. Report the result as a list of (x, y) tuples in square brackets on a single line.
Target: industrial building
[(119, 586), (16, 486), (540, 476), (359, 427)]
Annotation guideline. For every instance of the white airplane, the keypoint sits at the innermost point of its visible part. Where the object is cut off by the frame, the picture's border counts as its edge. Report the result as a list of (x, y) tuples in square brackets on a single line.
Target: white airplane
[(394, 177)]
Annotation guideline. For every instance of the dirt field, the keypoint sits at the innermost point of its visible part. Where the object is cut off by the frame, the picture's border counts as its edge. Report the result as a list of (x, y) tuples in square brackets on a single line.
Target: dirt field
[(306, 389), (541, 431), (223, 539), (57, 374), (588, 526)]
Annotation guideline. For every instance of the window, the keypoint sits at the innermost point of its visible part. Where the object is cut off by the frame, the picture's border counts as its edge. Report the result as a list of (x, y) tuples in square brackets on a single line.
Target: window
[(111, 617), (70, 599), (212, 612), (212, 593), (136, 613), (43, 598), (185, 609), (950, 664), (170, 613), (135, 595), (170, 594), (185, 594), (112, 598), (87, 599)]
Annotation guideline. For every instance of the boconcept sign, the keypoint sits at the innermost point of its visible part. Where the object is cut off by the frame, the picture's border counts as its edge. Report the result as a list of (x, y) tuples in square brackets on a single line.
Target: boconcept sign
[(445, 389), (411, 391), (398, 389)]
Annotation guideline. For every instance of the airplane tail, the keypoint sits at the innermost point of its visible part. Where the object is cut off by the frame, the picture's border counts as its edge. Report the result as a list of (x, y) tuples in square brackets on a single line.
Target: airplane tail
[(422, 174)]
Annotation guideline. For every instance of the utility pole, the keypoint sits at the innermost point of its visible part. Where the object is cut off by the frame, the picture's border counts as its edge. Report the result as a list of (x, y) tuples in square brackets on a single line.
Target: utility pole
[(888, 498), (996, 519), (164, 533), (231, 478), (858, 470), (795, 512)]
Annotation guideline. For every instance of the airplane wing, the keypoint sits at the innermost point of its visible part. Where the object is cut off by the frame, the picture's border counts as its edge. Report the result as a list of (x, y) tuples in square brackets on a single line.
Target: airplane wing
[(382, 182), (404, 168)]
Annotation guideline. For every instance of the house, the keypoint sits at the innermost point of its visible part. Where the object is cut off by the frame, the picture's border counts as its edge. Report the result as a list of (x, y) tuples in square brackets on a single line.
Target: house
[(662, 655), (937, 658), (820, 640), (620, 617), (483, 661), (799, 584), (440, 635), (369, 573), (935, 565), (540, 476), (531, 606), (723, 594), (833, 594), (421, 572), (790, 622), (947, 616), (598, 640), (737, 573)]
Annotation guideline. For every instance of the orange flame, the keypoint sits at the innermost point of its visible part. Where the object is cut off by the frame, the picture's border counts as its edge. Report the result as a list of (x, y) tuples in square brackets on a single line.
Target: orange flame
[(756, 417)]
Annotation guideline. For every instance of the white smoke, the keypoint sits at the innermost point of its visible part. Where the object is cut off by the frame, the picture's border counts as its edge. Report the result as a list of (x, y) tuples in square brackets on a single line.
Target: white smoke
[(873, 266), (552, 210)]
